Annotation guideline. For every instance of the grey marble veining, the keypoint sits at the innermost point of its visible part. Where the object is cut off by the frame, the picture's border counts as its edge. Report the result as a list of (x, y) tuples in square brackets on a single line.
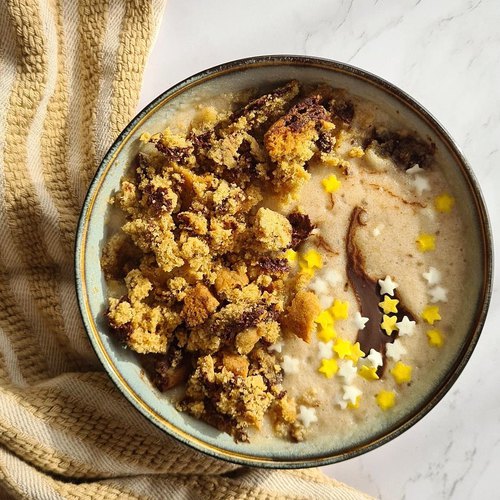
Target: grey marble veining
[(446, 54)]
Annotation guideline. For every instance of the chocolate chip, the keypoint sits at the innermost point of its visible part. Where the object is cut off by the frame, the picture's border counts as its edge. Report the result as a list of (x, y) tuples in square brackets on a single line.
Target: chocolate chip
[(273, 265), (325, 142), (157, 199), (301, 227), (173, 153)]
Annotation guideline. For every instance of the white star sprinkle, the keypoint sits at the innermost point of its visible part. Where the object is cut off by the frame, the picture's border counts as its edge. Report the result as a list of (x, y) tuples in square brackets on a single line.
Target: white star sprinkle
[(415, 169), (278, 346), (387, 286), (325, 349), (332, 276), (319, 286), (377, 230), (307, 415), (360, 321), (420, 184), (406, 326), (395, 350), (375, 358), (290, 364), (325, 301), (433, 276), (347, 371), (438, 294), (351, 393)]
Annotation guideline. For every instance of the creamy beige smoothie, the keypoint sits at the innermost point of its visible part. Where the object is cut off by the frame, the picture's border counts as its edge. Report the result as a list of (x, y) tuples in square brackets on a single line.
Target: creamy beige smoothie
[(285, 264)]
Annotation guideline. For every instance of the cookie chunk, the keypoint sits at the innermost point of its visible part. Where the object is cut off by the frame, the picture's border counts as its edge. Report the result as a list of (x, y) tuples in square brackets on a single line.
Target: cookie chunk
[(301, 313), (272, 230), (199, 304), (228, 280)]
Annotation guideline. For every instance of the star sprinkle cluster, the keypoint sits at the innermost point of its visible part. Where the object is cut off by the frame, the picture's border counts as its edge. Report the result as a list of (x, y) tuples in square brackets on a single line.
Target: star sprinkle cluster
[(437, 293), (340, 360)]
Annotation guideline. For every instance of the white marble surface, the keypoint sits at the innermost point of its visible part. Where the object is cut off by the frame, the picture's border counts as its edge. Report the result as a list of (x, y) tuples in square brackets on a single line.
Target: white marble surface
[(447, 55)]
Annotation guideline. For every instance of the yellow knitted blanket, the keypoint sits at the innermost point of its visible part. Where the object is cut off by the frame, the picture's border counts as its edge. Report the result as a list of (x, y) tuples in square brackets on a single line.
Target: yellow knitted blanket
[(70, 76)]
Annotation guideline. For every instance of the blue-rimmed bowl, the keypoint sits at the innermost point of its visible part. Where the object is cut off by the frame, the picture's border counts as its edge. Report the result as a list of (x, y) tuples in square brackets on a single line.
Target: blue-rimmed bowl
[(121, 364)]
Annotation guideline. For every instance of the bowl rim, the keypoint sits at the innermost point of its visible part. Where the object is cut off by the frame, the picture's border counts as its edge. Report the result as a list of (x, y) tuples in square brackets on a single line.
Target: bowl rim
[(244, 458)]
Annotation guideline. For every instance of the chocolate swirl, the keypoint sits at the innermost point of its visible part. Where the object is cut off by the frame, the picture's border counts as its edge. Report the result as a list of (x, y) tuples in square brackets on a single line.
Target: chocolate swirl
[(367, 292)]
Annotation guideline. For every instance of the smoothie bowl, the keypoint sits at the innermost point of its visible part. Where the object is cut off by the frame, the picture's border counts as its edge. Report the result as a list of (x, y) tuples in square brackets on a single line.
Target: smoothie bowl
[(284, 262)]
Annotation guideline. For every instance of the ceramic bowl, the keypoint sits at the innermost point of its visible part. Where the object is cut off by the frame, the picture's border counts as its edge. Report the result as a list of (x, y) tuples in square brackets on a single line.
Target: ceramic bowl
[(121, 364)]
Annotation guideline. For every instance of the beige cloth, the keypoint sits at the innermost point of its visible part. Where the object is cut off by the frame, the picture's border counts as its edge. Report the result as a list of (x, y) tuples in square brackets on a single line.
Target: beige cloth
[(70, 76)]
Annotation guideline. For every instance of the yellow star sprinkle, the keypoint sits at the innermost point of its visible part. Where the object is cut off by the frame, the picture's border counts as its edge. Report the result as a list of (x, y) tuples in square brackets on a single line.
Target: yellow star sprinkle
[(340, 309), (331, 183), (386, 399), (291, 255), (329, 367), (389, 323), (431, 314), (356, 353), (401, 373), (343, 348), (311, 259), (435, 338), (327, 333), (426, 242), (368, 372), (324, 319), (354, 406), (389, 305), (444, 203)]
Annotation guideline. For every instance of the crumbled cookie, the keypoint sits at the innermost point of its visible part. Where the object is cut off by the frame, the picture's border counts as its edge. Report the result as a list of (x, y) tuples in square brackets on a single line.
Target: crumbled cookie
[(272, 230), (171, 369), (174, 147), (301, 313), (246, 340), (236, 364), (228, 280), (292, 141), (201, 255), (240, 401), (284, 414), (199, 304), (292, 137), (309, 398)]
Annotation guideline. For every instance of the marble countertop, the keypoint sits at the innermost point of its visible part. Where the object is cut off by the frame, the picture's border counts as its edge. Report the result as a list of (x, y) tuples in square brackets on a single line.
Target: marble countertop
[(447, 55)]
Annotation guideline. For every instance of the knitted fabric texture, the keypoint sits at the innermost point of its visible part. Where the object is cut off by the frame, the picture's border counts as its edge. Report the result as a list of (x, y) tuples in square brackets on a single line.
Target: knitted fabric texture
[(70, 76)]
